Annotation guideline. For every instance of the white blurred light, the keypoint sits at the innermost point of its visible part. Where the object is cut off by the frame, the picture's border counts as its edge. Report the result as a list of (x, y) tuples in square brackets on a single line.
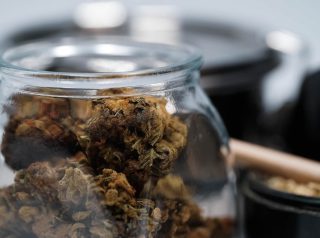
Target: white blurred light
[(114, 66), (64, 51), (157, 18), (283, 41), (100, 14), (289, 75), (156, 23), (110, 49)]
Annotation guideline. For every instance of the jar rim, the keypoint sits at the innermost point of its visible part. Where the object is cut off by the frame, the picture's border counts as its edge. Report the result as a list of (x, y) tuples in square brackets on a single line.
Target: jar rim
[(12, 60)]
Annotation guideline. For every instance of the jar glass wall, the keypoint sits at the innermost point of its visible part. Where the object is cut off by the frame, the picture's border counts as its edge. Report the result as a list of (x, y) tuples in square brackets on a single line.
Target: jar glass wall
[(110, 137)]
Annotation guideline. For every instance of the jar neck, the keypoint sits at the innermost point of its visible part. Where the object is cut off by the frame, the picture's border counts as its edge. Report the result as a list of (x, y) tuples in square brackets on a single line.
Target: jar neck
[(86, 66), (85, 85)]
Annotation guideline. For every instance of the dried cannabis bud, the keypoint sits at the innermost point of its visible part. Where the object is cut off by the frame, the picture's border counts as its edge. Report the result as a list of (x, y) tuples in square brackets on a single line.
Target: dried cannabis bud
[(136, 136), (33, 140), (98, 168), (181, 217), (56, 200), (310, 189), (41, 128), (66, 199)]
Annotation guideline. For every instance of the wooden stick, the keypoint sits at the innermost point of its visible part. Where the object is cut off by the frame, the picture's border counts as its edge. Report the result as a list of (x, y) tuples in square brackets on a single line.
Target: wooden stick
[(275, 162)]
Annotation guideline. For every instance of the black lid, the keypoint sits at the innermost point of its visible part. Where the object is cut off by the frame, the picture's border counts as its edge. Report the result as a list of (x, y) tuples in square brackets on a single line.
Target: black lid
[(225, 46), (235, 57)]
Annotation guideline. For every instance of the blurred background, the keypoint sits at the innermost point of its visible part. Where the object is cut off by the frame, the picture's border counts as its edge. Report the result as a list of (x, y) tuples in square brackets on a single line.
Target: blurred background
[(260, 57), (298, 16), (261, 70)]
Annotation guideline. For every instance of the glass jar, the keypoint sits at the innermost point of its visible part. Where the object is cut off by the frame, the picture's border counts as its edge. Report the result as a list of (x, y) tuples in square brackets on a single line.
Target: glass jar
[(110, 137)]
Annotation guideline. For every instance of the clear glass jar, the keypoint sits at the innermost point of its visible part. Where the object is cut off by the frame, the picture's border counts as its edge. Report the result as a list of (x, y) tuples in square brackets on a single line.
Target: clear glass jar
[(110, 137)]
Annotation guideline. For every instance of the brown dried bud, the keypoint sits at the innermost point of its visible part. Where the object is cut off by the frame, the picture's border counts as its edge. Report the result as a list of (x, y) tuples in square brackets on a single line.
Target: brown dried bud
[(156, 214), (22, 196), (77, 231), (81, 109), (80, 216), (171, 187), (31, 140), (102, 229), (39, 178), (74, 186), (118, 181), (134, 135), (28, 214), (115, 187)]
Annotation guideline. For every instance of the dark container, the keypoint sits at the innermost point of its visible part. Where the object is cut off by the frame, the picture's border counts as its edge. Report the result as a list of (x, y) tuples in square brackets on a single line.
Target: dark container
[(304, 133), (270, 213)]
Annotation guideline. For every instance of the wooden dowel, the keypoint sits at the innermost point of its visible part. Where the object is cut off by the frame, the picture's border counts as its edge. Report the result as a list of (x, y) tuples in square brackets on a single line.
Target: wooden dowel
[(275, 162)]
